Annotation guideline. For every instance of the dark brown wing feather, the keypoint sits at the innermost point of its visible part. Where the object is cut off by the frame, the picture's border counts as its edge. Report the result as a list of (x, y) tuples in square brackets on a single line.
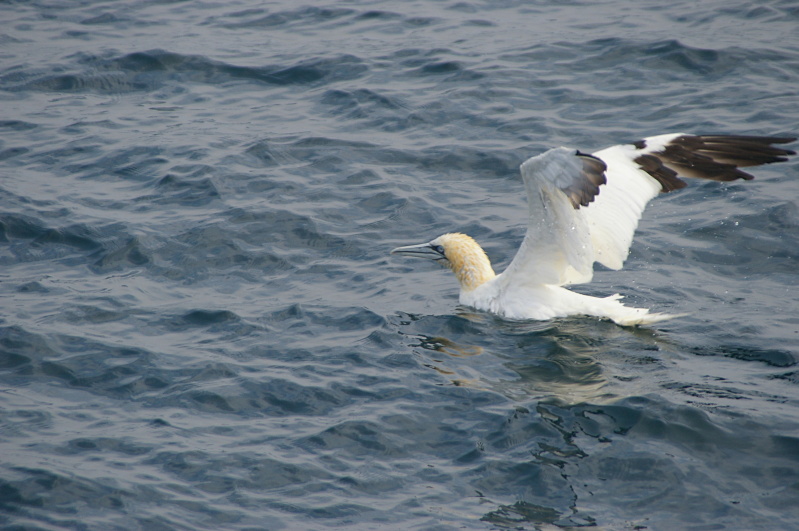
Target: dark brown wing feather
[(715, 157), (583, 190)]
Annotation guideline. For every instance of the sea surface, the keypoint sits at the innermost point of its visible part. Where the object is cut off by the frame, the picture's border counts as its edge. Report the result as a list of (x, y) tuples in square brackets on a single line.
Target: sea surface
[(201, 326)]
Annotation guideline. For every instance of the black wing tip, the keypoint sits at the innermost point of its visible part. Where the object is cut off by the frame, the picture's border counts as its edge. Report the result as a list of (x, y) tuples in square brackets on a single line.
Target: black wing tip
[(713, 157), (761, 139)]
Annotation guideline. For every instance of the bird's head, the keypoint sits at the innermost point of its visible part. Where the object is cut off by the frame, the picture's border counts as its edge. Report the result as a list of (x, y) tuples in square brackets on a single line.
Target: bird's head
[(460, 253)]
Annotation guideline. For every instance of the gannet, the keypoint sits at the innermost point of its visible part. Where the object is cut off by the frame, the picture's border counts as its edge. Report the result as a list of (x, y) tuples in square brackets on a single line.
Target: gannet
[(584, 208)]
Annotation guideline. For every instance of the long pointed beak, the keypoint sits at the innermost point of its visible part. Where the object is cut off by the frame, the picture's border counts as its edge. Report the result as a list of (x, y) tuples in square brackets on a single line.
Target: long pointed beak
[(422, 250)]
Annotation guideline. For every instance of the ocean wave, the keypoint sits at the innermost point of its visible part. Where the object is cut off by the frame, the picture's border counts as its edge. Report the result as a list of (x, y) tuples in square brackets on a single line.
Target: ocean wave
[(153, 69)]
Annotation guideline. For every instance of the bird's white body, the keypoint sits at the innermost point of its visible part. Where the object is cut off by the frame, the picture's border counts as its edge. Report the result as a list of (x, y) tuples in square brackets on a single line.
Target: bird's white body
[(585, 209), (546, 301)]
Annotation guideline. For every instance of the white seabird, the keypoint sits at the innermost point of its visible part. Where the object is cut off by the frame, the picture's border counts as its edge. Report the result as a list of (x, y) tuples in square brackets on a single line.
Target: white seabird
[(584, 209)]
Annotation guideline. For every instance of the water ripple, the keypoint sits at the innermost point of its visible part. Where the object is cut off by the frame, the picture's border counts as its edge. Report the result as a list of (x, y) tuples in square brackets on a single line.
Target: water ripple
[(202, 327)]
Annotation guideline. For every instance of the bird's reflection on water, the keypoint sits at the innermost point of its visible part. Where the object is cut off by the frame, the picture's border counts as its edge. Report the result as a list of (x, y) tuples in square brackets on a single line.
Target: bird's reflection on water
[(574, 383), (566, 361)]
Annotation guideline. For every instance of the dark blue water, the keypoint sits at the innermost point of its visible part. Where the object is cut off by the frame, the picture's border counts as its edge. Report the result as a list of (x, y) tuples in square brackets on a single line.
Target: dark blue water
[(201, 326)]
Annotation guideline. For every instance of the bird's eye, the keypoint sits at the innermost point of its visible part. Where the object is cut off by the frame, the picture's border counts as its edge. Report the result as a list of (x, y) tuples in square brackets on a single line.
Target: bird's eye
[(439, 249)]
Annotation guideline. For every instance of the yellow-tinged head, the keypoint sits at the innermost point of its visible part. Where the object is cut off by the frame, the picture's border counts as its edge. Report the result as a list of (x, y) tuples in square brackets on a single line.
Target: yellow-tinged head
[(460, 253)]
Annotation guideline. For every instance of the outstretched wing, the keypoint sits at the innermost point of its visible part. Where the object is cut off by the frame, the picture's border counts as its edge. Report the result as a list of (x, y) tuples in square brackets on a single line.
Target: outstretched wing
[(637, 172), (585, 208), (557, 248)]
